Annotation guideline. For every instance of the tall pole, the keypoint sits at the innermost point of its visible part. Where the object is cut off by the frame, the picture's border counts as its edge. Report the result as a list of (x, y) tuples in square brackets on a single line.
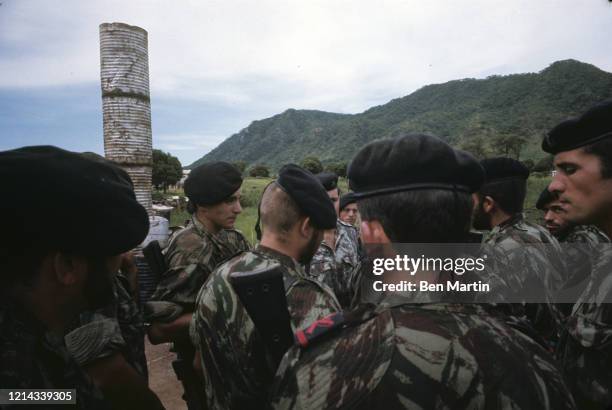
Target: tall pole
[(126, 104)]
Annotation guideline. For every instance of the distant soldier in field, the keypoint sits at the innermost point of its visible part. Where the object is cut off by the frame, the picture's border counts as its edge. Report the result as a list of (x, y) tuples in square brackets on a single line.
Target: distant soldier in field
[(583, 183), (527, 255), (349, 213), (295, 210), (339, 253), (56, 264), (398, 354), (193, 253), (585, 240)]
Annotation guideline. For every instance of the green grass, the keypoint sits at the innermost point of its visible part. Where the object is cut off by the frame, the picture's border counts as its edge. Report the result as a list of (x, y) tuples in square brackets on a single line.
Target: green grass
[(253, 187)]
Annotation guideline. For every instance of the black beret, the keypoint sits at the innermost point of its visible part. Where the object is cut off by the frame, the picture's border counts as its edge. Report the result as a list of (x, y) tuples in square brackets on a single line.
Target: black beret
[(309, 195), (545, 198), (329, 180), (594, 125), (410, 162), (346, 199), (499, 169), (60, 200), (211, 183)]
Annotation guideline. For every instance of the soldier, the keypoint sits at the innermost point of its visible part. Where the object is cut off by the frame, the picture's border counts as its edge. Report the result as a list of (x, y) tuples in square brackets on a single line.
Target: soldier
[(108, 343), (349, 213), (583, 182), (193, 253), (527, 255), (294, 212), (406, 355), (60, 262), (585, 241), (339, 254)]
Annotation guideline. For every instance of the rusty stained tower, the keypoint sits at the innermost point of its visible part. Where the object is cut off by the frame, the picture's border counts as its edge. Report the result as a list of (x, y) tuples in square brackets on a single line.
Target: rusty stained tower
[(126, 104)]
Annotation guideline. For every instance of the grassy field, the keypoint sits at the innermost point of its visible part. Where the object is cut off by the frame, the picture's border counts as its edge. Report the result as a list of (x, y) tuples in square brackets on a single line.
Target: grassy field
[(253, 187)]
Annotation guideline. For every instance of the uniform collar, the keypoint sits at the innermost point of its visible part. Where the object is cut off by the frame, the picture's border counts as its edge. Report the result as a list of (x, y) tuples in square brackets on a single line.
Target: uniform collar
[(285, 260), (512, 221)]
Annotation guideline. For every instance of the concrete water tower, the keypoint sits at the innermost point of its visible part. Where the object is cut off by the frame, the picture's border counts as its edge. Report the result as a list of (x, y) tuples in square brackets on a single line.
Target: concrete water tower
[(126, 105)]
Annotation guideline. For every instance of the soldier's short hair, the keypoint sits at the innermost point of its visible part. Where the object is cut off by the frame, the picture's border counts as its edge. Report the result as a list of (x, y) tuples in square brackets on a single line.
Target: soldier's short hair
[(278, 211), (603, 150), (422, 216), (508, 194)]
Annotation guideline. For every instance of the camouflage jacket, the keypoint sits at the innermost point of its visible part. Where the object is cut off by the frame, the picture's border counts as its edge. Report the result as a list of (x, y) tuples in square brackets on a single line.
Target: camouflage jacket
[(334, 268), (33, 358), (432, 356), (236, 367), (191, 256), (582, 254), (117, 327), (586, 348), (523, 257), (527, 247)]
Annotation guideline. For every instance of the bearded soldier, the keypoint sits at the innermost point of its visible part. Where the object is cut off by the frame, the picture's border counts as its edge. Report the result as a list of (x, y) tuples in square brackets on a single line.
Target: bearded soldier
[(527, 255), (295, 210), (398, 354), (56, 266)]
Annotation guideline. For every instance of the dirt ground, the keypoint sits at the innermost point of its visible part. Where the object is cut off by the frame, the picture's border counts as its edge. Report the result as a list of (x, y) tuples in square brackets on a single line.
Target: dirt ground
[(162, 379)]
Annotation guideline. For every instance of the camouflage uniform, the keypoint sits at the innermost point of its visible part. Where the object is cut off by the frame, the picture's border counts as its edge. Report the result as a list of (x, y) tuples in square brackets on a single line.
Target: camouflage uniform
[(33, 358), (580, 258), (236, 367), (586, 348), (117, 327), (433, 356), (525, 257), (191, 256), (334, 268)]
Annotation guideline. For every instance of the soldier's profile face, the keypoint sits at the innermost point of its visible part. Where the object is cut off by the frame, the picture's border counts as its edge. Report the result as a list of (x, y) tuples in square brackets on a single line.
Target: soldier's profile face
[(311, 247), (349, 214), (99, 286), (335, 198), (480, 219), (584, 195), (223, 215), (554, 218)]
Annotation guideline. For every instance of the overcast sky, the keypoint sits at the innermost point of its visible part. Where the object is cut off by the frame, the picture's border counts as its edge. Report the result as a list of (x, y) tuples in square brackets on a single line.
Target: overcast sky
[(215, 66)]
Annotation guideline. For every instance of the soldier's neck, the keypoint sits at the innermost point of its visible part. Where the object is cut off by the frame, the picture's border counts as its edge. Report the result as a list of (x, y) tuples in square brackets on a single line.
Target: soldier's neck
[(283, 246), (210, 227), (499, 218)]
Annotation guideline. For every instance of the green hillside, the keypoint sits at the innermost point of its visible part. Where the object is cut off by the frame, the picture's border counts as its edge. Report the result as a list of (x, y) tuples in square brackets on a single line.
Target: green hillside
[(499, 115)]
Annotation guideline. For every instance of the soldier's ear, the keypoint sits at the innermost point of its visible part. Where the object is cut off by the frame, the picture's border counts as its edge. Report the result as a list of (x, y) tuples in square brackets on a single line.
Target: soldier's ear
[(488, 204), (69, 269), (305, 227), (373, 232)]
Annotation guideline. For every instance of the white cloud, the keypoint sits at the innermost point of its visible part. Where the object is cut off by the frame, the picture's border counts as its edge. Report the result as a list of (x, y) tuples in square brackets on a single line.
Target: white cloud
[(334, 55)]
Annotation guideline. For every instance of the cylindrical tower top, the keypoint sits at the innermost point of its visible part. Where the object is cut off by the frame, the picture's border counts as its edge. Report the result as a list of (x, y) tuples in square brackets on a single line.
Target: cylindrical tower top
[(124, 60)]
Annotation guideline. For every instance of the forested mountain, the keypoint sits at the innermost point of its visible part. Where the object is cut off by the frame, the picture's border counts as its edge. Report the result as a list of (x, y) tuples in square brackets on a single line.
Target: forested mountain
[(499, 115)]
